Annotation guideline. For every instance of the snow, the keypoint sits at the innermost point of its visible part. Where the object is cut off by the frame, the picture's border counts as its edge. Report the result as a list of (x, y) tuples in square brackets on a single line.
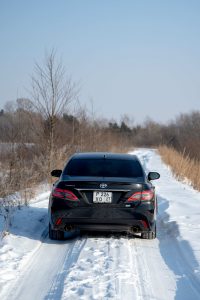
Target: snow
[(105, 266), (179, 203), (28, 224)]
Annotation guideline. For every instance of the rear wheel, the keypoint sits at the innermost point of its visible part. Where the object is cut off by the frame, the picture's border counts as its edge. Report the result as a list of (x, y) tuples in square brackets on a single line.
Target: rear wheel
[(149, 235), (55, 234)]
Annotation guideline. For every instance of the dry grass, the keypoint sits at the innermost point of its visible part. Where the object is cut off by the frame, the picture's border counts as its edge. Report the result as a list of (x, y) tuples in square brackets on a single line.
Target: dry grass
[(182, 166)]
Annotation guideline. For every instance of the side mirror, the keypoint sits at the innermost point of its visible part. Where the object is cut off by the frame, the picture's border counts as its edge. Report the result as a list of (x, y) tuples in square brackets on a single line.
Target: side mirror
[(153, 176), (56, 173)]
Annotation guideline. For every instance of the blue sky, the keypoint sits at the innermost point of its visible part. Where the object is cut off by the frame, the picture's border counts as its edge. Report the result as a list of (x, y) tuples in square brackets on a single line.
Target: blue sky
[(135, 57)]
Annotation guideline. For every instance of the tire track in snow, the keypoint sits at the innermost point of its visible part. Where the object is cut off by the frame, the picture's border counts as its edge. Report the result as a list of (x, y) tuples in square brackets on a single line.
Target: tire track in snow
[(71, 258), (144, 285), (105, 269), (113, 268), (28, 261), (41, 268)]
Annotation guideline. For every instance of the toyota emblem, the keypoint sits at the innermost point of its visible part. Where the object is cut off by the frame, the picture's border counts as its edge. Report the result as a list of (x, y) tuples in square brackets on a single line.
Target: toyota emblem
[(103, 185)]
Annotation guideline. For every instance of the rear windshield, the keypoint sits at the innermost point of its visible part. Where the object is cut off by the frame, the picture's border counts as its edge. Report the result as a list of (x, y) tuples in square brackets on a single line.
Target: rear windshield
[(104, 168)]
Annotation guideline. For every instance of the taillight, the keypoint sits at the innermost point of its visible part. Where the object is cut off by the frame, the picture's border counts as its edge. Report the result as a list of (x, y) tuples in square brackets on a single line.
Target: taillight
[(135, 197), (143, 196), (147, 195), (64, 194)]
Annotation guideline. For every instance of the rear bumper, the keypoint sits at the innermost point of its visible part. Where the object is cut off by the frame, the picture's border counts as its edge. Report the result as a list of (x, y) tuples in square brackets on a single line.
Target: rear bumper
[(93, 225), (109, 219)]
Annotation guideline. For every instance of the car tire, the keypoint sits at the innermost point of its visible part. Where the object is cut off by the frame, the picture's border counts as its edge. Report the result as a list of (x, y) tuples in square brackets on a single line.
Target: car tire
[(149, 235), (56, 234)]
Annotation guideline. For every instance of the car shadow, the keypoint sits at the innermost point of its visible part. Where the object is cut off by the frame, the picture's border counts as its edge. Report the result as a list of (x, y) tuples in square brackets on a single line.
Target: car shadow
[(177, 254), (32, 222)]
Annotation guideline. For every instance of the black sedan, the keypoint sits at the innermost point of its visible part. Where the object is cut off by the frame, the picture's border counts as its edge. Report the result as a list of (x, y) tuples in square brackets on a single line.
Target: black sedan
[(103, 192)]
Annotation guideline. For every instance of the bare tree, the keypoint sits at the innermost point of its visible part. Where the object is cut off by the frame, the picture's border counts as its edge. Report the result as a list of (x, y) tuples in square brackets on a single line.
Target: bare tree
[(52, 92)]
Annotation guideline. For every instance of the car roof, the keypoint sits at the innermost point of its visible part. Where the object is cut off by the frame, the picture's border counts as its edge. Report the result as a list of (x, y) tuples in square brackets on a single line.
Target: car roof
[(104, 155)]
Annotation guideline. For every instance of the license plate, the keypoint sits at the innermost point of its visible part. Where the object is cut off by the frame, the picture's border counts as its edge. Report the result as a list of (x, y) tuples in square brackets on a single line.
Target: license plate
[(102, 197)]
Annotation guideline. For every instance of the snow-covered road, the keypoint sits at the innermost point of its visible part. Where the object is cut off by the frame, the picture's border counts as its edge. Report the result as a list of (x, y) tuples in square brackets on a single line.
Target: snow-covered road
[(105, 266)]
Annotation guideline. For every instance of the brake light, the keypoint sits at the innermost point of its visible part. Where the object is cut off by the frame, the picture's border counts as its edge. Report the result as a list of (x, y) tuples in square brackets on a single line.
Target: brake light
[(143, 196), (64, 194)]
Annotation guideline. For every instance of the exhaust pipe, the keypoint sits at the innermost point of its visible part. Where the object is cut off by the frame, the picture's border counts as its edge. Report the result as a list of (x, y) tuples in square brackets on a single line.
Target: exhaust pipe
[(134, 229), (69, 228)]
